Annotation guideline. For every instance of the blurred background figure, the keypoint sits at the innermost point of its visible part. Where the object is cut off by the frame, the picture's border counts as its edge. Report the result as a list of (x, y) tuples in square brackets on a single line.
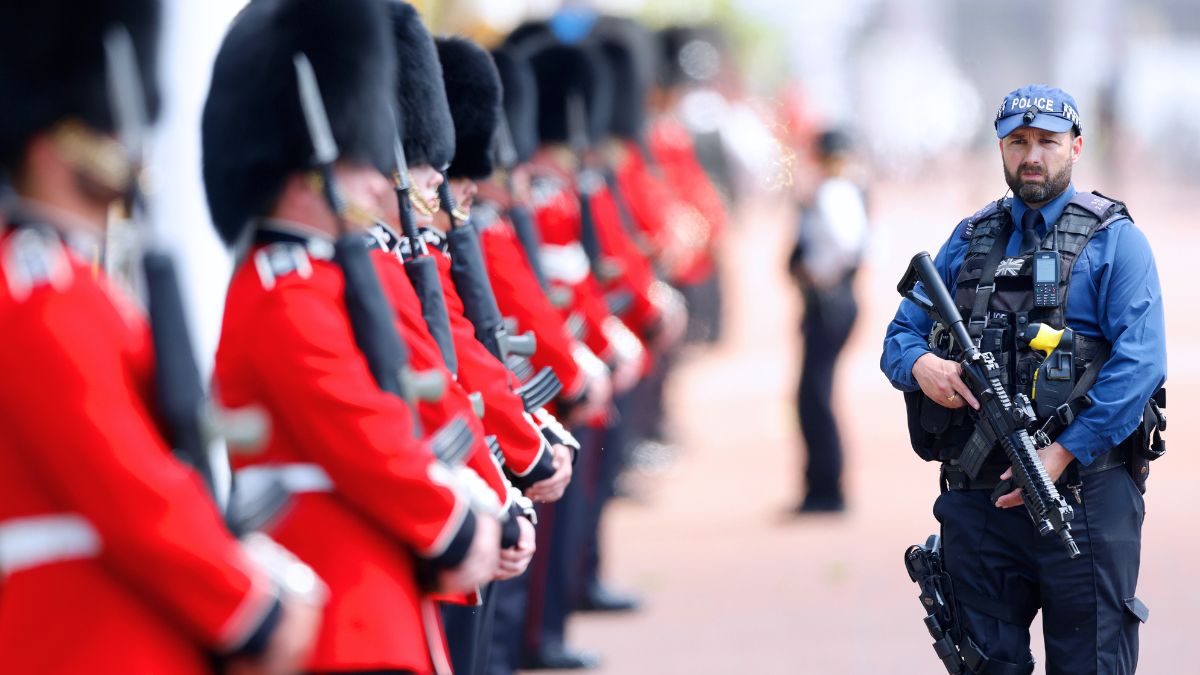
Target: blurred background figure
[(831, 239)]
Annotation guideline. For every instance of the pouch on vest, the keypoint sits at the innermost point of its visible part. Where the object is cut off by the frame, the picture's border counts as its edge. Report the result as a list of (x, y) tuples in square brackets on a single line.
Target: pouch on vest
[(935, 431)]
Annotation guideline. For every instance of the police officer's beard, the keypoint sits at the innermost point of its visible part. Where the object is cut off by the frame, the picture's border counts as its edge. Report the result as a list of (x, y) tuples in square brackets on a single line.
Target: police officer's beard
[(1036, 192)]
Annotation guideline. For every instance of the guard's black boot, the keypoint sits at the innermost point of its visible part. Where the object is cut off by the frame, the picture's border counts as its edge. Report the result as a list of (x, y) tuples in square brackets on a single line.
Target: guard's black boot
[(600, 598), (558, 657)]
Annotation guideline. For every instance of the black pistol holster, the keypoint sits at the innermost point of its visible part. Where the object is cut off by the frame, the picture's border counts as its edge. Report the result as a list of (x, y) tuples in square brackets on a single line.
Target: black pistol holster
[(953, 646)]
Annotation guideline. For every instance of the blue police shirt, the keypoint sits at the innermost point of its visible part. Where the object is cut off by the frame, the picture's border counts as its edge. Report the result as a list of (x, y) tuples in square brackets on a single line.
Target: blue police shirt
[(1114, 294)]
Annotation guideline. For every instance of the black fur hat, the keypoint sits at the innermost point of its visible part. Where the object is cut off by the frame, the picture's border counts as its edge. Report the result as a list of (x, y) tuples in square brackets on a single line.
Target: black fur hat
[(427, 128), (631, 52), (563, 69), (473, 92), (254, 133), (52, 64), (520, 100), (690, 54)]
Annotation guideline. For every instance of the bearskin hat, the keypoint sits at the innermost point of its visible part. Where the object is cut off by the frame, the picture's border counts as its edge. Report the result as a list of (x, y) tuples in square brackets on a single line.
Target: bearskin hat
[(520, 100), (630, 53), (564, 70), (253, 129), (473, 91), (52, 66), (690, 54), (427, 128)]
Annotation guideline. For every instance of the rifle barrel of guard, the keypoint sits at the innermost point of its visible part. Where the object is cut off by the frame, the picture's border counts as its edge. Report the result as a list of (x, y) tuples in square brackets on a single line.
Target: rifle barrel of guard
[(935, 288)]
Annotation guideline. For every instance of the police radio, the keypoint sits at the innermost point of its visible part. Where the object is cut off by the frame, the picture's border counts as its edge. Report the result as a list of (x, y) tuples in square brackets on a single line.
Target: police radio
[(1045, 279)]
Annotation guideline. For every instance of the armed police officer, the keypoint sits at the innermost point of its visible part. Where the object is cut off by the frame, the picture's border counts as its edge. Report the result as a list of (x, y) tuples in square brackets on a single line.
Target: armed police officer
[(1022, 269)]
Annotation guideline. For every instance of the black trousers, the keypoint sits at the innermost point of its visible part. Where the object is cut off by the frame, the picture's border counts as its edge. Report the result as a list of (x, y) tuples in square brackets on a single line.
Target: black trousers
[(607, 465), (468, 631), (828, 318), (1090, 616)]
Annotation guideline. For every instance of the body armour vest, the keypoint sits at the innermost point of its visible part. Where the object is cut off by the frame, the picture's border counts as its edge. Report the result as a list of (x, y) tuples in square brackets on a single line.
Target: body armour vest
[(995, 295)]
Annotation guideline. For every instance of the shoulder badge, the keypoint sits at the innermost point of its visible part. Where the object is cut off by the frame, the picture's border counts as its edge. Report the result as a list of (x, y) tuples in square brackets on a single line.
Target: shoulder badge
[(544, 187), (484, 215), (34, 258), (980, 216), (280, 259), (1095, 203)]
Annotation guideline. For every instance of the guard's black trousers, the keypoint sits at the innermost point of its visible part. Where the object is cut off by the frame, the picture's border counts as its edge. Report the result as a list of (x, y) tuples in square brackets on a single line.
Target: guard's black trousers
[(828, 318), (1090, 616)]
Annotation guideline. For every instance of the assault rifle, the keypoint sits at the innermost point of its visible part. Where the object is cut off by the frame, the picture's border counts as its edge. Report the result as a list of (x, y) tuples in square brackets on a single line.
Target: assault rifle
[(1006, 420)]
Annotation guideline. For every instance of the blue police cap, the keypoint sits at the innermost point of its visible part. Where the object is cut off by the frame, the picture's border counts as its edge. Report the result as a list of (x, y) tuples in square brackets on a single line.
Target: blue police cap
[(1039, 106)]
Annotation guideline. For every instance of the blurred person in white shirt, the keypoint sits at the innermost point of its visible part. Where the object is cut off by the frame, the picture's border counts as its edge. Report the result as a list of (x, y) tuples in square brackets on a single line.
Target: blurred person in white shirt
[(830, 243)]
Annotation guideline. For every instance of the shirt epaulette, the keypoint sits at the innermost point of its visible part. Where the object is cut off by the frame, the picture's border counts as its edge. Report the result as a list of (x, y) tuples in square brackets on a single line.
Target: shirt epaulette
[(33, 258), (981, 215), (276, 261), (544, 187), (484, 215)]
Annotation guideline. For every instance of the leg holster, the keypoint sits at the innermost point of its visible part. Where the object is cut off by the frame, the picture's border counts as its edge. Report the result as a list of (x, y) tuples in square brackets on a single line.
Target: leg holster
[(957, 651)]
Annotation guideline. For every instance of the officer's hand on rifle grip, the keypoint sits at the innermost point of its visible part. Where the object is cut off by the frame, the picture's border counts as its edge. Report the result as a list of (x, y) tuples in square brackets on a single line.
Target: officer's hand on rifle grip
[(479, 567), (941, 380), (1054, 457)]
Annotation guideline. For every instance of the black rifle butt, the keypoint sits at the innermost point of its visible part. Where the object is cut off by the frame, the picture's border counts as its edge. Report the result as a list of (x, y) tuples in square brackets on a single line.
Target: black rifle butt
[(423, 273), (531, 241), (178, 387), (589, 238), (371, 317), (471, 281)]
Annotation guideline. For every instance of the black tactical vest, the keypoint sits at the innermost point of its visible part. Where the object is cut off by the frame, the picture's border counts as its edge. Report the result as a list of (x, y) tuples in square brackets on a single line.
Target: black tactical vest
[(994, 294)]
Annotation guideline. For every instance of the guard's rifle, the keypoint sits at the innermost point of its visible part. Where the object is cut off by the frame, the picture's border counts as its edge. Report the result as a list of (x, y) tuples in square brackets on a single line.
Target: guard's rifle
[(371, 317), (190, 422), (420, 266), (998, 418), (587, 182), (471, 280), (507, 159)]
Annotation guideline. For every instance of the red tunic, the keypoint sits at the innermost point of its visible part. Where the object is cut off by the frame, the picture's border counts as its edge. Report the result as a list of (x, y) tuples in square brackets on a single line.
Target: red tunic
[(556, 213), (426, 356), (520, 297), (637, 276), (287, 346), (525, 453), (672, 147), (142, 577)]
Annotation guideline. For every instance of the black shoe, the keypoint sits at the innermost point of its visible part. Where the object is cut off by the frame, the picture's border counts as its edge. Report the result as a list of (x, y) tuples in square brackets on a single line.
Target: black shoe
[(820, 505), (559, 658), (599, 598)]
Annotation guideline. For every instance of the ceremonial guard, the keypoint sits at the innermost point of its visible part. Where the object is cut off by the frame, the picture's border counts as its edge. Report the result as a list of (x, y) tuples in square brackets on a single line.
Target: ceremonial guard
[(297, 170), (113, 558)]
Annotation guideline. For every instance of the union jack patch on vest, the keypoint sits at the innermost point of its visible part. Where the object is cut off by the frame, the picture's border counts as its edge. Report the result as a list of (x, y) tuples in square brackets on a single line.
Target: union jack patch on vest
[(1010, 267)]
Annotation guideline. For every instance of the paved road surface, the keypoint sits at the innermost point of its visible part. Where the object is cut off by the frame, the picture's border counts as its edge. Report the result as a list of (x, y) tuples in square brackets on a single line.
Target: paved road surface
[(733, 587)]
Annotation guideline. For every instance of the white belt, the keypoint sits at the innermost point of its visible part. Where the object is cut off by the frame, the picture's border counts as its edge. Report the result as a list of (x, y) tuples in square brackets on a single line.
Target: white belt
[(295, 478), (40, 540)]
